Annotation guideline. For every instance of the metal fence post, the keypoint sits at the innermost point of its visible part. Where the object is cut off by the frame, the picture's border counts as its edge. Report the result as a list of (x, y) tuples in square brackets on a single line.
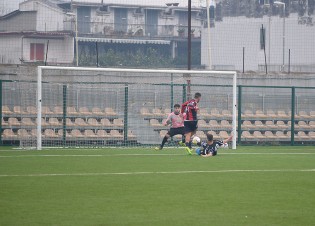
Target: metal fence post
[(292, 115), (64, 115), (126, 116), (184, 93), (239, 117), (172, 92)]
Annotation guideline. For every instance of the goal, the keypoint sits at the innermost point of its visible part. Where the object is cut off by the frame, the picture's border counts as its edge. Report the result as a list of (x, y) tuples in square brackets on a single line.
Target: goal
[(97, 107)]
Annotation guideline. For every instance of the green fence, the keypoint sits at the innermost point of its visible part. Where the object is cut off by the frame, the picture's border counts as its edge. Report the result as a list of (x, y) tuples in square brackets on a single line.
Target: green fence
[(130, 114)]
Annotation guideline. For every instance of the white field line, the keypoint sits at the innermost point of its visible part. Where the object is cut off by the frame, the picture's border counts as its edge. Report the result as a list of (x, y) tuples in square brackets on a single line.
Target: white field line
[(148, 154), (143, 173)]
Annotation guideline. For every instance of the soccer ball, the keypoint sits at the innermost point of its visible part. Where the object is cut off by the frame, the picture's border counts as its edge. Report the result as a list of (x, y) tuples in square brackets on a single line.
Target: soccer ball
[(226, 145), (196, 140)]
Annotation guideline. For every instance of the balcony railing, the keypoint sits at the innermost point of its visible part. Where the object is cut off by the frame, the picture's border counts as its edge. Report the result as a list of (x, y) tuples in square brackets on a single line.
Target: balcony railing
[(124, 30)]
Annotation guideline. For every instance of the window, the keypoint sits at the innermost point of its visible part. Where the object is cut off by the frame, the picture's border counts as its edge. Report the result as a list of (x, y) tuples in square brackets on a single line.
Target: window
[(262, 38), (37, 52)]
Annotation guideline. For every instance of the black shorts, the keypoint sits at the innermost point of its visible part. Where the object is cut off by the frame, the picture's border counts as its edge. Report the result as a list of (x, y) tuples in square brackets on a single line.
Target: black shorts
[(190, 126), (176, 131)]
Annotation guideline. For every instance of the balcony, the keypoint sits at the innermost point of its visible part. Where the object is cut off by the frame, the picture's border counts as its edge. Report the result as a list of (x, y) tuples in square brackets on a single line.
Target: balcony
[(136, 31)]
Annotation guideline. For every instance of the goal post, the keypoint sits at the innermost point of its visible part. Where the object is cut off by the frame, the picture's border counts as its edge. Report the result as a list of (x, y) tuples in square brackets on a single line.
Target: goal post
[(103, 104)]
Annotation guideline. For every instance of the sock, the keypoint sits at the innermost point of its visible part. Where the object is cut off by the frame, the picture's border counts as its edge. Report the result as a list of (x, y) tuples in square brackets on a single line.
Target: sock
[(190, 145), (187, 144), (163, 142), (183, 139)]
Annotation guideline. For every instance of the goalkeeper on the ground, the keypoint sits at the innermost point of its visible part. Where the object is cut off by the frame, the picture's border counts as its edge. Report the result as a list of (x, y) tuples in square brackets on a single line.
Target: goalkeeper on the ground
[(210, 147), (176, 119)]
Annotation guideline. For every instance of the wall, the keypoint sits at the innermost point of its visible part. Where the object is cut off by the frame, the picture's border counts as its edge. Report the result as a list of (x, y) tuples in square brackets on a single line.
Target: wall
[(230, 36), (60, 50), (10, 49)]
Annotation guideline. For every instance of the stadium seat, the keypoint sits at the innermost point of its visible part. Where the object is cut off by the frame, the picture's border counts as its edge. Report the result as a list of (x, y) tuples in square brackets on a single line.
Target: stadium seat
[(22, 133), (43, 122), (248, 114), (302, 136), (93, 122), (282, 114), (89, 133), (145, 112), (247, 135), (69, 122), (54, 122), (84, 111), (58, 110), (248, 125), (105, 122), (214, 124), (215, 135), (97, 111), (131, 135), (31, 110), (215, 113), (19, 110), (312, 114), (203, 124), (155, 123), (4, 123), (27, 122), (8, 133), (60, 133), (72, 111), (270, 135), (163, 133), (34, 133), (80, 122), (6, 110), (223, 135), (225, 124), (76, 133), (13, 122), (157, 112), (281, 125), (280, 135), (115, 134), (167, 111), (201, 135), (226, 114), (303, 125), (102, 134), (259, 125), (311, 135), (163, 121), (204, 113), (46, 111), (110, 112), (271, 114), (260, 114), (271, 125), (49, 133), (258, 135), (302, 115), (312, 124), (118, 122)]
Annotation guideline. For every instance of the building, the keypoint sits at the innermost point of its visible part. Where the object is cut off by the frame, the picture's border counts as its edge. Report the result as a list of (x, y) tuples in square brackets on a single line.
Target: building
[(29, 35), (24, 34)]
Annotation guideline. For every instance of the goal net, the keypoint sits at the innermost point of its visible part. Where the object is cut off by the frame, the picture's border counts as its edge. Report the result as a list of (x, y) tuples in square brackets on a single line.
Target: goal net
[(97, 107)]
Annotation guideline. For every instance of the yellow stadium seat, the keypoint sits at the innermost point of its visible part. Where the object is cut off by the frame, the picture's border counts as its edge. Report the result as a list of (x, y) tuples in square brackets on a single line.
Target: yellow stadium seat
[(72, 111), (155, 123), (6, 110), (27, 122), (84, 111), (89, 133), (58, 110), (8, 133), (19, 110), (76, 133), (97, 111), (105, 122), (145, 112), (54, 122), (258, 135), (118, 122), (49, 133), (69, 123), (31, 110), (80, 122), (115, 134), (102, 134), (46, 111), (93, 122), (13, 122), (22, 133), (110, 112)]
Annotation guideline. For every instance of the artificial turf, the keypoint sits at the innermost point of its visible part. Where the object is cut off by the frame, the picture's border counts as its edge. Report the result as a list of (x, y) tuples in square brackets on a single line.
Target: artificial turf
[(249, 186)]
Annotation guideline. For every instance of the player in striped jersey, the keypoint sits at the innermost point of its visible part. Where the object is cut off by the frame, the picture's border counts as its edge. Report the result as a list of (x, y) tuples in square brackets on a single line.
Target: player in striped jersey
[(189, 110)]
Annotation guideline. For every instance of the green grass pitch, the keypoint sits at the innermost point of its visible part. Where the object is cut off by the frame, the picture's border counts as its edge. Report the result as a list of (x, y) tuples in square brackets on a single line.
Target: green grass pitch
[(249, 186)]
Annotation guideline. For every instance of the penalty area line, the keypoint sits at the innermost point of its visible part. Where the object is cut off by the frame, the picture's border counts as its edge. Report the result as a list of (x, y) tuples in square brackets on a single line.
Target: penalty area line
[(156, 173)]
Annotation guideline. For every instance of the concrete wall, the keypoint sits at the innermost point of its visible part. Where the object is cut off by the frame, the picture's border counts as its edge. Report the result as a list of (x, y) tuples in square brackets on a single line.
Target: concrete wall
[(230, 36), (10, 49)]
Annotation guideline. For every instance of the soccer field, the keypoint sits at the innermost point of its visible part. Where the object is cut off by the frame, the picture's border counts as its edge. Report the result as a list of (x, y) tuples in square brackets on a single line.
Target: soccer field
[(249, 186)]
